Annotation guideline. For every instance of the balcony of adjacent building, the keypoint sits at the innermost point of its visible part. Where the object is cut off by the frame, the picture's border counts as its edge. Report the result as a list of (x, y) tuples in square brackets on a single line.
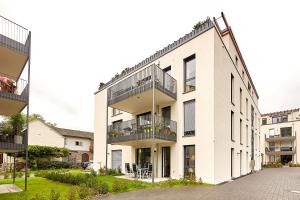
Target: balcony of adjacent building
[(10, 142), (135, 93), (14, 48), (140, 131), (285, 134), (283, 150)]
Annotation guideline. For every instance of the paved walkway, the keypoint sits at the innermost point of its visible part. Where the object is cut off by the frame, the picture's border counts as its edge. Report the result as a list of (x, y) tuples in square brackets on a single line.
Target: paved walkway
[(7, 188), (268, 184)]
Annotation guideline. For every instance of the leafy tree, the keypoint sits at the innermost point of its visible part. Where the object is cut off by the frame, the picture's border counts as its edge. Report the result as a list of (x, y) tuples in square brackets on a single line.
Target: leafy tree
[(13, 124), (37, 152)]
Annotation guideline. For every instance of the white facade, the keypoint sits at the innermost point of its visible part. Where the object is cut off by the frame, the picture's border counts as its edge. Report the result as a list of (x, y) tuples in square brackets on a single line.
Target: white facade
[(78, 144), (218, 156), (43, 135)]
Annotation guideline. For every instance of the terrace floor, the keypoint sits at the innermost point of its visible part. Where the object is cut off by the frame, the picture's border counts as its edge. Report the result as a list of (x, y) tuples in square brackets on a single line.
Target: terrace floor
[(268, 184), (147, 180)]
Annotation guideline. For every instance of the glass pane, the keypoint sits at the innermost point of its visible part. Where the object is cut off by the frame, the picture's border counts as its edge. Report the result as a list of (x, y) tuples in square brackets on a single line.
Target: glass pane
[(189, 161), (189, 118), (190, 74)]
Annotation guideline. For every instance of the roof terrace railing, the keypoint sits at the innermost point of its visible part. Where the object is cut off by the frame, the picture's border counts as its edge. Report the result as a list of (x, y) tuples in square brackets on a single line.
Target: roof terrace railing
[(142, 81), (13, 35)]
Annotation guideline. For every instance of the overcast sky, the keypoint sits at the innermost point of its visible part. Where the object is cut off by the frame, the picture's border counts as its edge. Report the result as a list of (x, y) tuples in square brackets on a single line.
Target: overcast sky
[(77, 44)]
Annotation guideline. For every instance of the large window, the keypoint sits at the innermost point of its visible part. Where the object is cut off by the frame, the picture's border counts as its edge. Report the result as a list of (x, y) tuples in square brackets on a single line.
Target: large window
[(247, 113), (189, 161), (232, 126), (189, 117), (264, 121), (143, 157), (232, 89), (117, 126), (279, 119), (241, 131), (241, 100), (247, 136), (286, 132), (190, 74)]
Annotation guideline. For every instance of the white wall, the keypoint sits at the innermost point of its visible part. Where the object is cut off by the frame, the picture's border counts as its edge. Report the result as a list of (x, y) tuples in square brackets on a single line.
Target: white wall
[(71, 144), (43, 135)]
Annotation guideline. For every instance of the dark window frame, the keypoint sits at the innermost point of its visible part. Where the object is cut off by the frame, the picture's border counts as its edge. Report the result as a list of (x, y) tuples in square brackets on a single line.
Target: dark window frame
[(185, 157), (191, 57), (193, 132), (232, 89), (232, 126)]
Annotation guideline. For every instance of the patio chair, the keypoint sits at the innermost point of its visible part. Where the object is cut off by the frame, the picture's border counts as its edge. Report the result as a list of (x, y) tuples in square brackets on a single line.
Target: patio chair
[(128, 171), (134, 170), (148, 172)]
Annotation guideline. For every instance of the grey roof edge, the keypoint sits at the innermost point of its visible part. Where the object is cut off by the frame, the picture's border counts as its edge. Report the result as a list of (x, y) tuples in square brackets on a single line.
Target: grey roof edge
[(281, 112), (186, 38), (83, 134)]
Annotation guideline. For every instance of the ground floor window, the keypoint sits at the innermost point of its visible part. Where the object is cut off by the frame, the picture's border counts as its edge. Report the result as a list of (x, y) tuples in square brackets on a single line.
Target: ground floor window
[(116, 159), (143, 157), (189, 161)]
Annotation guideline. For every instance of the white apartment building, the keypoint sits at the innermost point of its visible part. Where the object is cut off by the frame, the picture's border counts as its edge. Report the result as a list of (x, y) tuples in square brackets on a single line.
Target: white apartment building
[(204, 105), (281, 131)]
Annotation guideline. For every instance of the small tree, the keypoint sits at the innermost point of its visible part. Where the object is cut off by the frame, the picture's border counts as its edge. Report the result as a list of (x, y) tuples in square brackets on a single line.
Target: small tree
[(13, 125)]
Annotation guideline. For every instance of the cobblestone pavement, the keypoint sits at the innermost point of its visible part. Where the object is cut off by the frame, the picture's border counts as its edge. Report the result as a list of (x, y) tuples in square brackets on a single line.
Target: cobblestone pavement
[(275, 184)]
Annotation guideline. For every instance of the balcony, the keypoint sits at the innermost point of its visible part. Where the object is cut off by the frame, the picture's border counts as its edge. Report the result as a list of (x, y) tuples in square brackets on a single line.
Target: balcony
[(14, 48), (277, 138), (130, 132), (134, 93), (13, 143), (284, 150), (13, 95)]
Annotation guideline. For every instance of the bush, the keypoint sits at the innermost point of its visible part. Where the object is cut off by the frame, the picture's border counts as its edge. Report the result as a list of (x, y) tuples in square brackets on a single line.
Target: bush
[(110, 172), (119, 186), (273, 165), (73, 194), (294, 164), (38, 197), (84, 192), (51, 165), (87, 180), (54, 195)]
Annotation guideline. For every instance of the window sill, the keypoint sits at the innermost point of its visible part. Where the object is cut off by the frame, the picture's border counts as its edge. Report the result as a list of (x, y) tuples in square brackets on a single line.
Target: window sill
[(188, 136), (232, 140), (188, 92)]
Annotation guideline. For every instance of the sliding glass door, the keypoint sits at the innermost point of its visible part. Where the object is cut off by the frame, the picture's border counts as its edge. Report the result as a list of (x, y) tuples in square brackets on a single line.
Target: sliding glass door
[(189, 161), (166, 161), (143, 157)]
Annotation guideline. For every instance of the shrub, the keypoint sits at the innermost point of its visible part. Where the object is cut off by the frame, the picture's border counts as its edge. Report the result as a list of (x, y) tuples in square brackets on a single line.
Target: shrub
[(38, 197), (73, 194), (54, 195), (138, 184), (119, 186), (110, 172), (273, 165), (52, 165), (84, 192), (294, 164), (101, 187)]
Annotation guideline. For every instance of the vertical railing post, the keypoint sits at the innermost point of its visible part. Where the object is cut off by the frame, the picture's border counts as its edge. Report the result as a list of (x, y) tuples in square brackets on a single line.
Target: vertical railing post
[(153, 121)]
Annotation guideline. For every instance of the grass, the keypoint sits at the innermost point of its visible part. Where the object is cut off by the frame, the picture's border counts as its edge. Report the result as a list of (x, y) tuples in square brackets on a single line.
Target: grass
[(36, 185)]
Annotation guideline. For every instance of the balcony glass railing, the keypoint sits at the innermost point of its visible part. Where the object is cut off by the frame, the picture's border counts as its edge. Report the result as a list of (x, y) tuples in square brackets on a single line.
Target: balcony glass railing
[(277, 149), (132, 130), (13, 141), (142, 81)]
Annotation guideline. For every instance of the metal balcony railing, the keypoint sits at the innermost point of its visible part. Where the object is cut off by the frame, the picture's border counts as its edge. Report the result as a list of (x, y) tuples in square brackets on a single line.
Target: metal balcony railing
[(132, 130), (13, 141), (142, 81), (13, 35)]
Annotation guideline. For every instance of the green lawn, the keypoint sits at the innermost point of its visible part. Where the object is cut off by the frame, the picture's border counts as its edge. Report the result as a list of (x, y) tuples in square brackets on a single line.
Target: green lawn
[(36, 185)]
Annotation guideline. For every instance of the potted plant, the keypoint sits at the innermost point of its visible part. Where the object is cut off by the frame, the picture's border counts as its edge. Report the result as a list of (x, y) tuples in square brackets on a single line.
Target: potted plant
[(17, 123)]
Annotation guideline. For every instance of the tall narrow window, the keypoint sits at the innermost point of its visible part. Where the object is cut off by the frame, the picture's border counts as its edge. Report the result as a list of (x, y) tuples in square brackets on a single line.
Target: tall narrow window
[(190, 74), (232, 126), (241, 100), (243, 74), (241, 131), (247, 113), (189, 161), (247, 136), (189, 117), (232, 162), (232, 89), (264, 121)]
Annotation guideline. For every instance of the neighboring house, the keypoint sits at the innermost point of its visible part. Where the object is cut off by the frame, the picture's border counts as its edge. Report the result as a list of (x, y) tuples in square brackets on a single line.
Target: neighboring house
[(281, 130), (204, 105), (15, 42), (80, 143)]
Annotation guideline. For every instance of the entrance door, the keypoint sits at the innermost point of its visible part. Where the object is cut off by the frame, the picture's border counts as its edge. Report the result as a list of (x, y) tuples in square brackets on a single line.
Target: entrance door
[(166, 161), (85, 157), (116, 159), (285, 159)]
